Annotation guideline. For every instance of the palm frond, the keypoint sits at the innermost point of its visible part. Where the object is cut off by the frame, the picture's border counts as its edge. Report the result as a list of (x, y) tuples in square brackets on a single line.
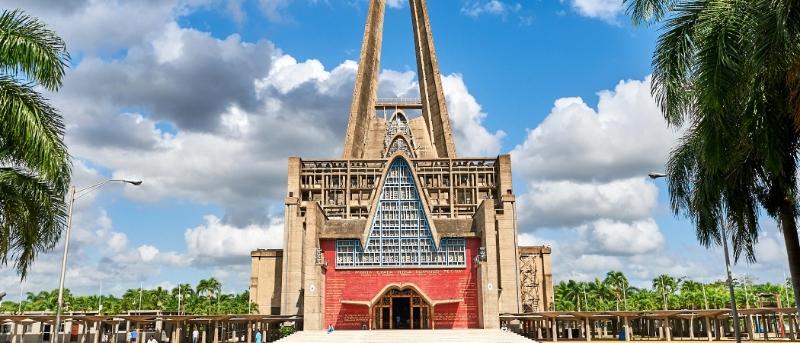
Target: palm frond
[(28, 47)]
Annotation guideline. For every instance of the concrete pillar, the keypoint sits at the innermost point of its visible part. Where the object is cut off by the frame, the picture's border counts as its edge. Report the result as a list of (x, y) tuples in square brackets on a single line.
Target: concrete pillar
[(588, 329), (691, 327), (487, 273), (667, 330), (625, 328), (41, 332), (605, 329), (765, 325), (554, 330), (569, 329), (249, 331), (216, 331), (792, 328), (708, 329)]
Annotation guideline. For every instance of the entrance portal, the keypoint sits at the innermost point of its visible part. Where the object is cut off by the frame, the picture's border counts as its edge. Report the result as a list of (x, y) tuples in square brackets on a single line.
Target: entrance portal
[(401, 309)]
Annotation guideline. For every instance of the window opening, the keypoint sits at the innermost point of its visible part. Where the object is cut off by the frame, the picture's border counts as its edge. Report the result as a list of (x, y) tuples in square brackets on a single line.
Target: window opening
[(400, 234)]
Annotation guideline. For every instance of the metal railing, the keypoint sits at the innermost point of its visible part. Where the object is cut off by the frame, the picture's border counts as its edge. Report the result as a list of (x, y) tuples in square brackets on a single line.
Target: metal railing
[(398, 102)]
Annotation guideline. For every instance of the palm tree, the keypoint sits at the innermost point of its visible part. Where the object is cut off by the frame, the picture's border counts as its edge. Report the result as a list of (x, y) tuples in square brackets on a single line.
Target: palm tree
[(572, 293), (729, 72), (692, 293), (34, 163), (619, 284), (210, 287), (160, 297), (665, 285), (183, 291)]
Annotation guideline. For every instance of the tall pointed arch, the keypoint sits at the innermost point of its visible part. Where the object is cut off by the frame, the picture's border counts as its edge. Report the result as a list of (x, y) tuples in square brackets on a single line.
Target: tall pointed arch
[(400, 233)]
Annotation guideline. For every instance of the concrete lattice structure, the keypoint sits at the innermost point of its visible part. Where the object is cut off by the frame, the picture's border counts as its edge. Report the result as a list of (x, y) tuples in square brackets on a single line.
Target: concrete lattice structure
[(400, 232)]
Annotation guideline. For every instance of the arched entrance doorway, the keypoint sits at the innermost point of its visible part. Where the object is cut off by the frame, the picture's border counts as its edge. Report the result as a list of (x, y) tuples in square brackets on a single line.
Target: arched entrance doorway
[(401, 309)]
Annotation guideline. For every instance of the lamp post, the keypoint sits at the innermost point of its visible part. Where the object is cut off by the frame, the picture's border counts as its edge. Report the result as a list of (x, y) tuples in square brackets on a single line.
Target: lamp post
[(724, 234), (80, 192)]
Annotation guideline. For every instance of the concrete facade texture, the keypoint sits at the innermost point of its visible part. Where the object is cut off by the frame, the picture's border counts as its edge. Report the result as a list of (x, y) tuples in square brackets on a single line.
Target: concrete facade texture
[(466, 200)]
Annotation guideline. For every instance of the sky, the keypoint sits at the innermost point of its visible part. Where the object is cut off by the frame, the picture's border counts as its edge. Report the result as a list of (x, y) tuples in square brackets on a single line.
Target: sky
[(205, 100)]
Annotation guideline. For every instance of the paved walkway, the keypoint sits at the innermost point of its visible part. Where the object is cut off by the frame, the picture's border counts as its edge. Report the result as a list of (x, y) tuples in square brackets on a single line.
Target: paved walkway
[(409, 336)]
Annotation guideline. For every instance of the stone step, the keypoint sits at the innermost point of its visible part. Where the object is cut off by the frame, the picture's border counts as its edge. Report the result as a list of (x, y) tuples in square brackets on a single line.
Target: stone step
[(407, 336)]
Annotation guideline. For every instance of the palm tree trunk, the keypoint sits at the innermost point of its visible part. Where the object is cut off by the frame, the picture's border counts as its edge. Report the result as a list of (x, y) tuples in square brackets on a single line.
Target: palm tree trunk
[(789, 228), (734, 314)]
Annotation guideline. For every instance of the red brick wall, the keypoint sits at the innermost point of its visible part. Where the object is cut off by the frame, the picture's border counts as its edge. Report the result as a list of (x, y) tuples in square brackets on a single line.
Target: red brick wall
[(365, 284)]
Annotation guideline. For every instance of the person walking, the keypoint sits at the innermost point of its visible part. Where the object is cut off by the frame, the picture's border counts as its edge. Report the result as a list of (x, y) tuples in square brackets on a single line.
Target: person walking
[(330, 328), (134, 334), (258, 336), (195, 335), (128, 336)]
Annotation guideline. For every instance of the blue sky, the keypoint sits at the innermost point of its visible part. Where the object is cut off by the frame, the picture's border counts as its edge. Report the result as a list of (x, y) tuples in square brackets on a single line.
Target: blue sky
[(205, 100)]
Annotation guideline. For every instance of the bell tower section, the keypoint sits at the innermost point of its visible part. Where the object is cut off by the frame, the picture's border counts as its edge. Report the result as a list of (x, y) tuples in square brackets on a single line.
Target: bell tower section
[(367, 134)]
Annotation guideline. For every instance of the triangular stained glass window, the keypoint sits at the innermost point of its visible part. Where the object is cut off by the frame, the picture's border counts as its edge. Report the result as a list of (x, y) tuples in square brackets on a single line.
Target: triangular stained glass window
[(400, 234)]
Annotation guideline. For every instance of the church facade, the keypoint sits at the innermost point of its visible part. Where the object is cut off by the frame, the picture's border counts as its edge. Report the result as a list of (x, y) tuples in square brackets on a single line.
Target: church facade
[(400, 233)]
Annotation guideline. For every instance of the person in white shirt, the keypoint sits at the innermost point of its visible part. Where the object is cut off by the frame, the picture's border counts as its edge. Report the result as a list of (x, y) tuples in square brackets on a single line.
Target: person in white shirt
[(152, 340), (195, 335)]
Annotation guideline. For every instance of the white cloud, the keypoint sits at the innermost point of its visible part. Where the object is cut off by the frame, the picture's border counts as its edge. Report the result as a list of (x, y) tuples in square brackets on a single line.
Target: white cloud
[(606, 10), (273, 9), (148, 252), (626, 137), (569, 203), (471, 138), (493, 7), (622, 239), (169, 46), (216, 243), (395, 3)]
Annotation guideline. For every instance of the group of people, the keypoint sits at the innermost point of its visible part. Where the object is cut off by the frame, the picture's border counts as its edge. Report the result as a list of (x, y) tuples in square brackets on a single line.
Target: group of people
[(130, 337)]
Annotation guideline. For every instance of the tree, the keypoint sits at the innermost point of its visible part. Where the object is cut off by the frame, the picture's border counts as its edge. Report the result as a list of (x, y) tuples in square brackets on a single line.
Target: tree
[(618, 283), (665, 285), (34, 164), (729, 72), (210, 288)]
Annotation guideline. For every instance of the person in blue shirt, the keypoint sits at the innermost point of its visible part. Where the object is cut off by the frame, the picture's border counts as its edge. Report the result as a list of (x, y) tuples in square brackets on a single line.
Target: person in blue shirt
[(258, 337), (330, 328), (133, 335)]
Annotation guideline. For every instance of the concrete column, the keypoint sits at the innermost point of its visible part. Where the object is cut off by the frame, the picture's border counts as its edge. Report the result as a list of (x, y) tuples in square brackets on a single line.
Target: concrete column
[(667, 330), (14, 329), (765, 325), (96, 332), (708, 329), (588, 330), (569, 329), (487, 274), (605, 328), (216, 331), (625, 328), (249, 331), (554, 330), (41, 332), (691, 327), (793, 328)]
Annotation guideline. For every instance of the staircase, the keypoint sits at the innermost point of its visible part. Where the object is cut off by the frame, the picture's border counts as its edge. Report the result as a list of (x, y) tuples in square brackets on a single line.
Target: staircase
[(409, 336)]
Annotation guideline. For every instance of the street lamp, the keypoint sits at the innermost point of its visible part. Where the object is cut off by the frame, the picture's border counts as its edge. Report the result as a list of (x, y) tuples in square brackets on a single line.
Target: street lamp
[(724, 234), (80, 192)]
